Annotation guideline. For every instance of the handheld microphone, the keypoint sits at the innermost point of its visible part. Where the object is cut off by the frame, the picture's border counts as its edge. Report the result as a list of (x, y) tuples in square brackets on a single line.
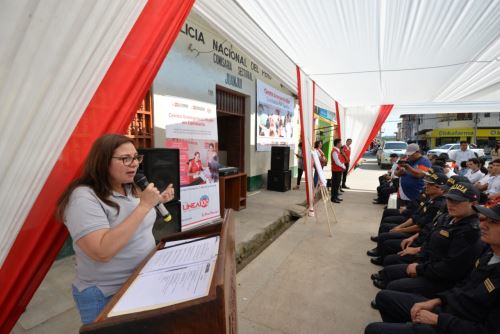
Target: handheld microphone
[(142, 182)]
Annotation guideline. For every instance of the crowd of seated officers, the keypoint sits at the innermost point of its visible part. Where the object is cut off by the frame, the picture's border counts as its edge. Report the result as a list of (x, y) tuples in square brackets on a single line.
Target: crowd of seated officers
[(439, 255)]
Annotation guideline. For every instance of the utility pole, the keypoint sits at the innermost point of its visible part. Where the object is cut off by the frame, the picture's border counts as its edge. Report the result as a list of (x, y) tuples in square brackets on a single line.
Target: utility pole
[(476, 120)]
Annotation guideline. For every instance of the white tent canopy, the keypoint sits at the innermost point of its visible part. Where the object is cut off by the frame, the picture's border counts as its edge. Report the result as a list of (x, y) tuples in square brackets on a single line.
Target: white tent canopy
[(365, 52), (422, 56)]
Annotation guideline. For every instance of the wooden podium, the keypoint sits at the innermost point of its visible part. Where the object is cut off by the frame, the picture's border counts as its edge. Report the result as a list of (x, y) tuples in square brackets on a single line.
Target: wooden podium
[(215, 313)]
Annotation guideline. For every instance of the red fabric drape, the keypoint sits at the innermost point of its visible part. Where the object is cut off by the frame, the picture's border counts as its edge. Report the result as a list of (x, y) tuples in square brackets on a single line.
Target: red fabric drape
[(338, 119), (110, 111), (313, 120), (383, 113), (302, 134)]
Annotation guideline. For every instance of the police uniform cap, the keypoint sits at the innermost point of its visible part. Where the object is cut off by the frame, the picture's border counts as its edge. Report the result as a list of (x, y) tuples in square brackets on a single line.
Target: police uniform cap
[(463, 192), (492, 213)]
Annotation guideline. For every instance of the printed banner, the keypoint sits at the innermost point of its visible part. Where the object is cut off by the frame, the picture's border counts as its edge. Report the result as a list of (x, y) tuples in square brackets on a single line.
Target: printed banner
[(191, 127), (275, 118)]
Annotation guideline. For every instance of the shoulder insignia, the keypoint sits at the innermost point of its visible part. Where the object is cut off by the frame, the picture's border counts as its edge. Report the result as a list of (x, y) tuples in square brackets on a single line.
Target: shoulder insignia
[(489, 285), (444, 233)]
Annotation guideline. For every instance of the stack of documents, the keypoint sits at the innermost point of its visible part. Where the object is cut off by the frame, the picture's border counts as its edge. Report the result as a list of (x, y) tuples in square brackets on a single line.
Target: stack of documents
[(179, 272)]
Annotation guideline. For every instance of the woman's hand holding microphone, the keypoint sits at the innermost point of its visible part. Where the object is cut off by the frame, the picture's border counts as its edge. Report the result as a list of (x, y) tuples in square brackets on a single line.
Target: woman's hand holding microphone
[(150, 197)]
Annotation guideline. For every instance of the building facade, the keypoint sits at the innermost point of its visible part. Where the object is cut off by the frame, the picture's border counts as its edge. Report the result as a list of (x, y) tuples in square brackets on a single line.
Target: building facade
[(432, 130), (205, 66)]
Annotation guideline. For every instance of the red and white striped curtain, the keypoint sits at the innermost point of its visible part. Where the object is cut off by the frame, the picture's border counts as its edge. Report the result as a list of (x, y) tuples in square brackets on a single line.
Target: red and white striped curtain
[(361, 124), (305, 88), (70, 71)]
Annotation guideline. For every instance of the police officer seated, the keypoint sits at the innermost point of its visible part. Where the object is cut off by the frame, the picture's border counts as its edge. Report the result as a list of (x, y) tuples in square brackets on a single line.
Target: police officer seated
[(391, 243), (389, 182), (407, 251), (394, 217), (388, 242), (448, 256), (471, 307)]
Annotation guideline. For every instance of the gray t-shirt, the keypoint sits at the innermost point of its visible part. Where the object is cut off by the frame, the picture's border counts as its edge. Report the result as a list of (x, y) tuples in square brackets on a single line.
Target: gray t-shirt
[(86, 213)]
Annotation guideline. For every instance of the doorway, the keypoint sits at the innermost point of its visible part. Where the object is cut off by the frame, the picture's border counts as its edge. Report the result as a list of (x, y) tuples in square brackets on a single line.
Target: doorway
[(231, 128)]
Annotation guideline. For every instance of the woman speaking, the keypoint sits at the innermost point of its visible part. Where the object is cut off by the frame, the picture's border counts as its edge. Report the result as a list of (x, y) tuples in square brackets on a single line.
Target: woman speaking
[(110, 222)]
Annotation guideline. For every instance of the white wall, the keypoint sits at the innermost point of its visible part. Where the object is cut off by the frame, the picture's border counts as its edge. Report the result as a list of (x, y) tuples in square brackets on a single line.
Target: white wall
[(189, 71)]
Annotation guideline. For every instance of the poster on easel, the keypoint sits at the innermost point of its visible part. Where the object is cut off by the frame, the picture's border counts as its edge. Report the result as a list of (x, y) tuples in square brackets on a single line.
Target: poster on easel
[(191, 127)]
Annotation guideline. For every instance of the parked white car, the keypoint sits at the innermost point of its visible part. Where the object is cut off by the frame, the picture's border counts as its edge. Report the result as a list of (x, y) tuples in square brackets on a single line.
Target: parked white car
[(446, 149), (384, 152)]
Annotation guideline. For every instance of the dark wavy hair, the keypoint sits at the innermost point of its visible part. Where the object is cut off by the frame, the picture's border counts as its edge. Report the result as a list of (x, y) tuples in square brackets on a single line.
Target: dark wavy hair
[(96, 172)]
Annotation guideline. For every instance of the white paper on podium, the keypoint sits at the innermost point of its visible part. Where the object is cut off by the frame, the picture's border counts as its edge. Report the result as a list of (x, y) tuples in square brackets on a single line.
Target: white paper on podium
[(182, 254), (172, 275), (182, 241), (163, 288)]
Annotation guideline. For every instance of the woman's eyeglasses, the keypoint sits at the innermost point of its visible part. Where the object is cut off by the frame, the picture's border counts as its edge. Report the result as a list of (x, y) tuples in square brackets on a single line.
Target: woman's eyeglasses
[(127, 160)]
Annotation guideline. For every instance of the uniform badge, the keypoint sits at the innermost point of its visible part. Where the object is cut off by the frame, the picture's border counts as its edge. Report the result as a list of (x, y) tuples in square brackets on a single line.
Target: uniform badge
[(425, 209), (489, 285), (444, 233)]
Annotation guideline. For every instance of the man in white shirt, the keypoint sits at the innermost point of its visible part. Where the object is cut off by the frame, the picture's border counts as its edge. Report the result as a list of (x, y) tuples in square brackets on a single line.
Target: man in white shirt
[(463, 154), (492, 188), (474, 174), (484, 179)]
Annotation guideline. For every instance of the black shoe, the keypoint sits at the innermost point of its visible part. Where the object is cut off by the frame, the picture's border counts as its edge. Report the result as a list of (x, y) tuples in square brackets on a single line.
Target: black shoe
[(376, 276), (340, 199), (373, 252), (379, 261), (373, 304), (341, 191), (379, 284), (345, 187), (334, 200), (374, 238)]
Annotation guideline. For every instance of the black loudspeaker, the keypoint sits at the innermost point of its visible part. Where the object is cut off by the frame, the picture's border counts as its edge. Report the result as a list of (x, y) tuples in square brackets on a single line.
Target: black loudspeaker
[(162, 229), (161, 166), (280, 157), (279, 180)]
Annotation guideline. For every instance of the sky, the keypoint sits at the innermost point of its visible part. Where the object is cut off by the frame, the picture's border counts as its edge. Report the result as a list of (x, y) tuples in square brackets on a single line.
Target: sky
[(390, 125)]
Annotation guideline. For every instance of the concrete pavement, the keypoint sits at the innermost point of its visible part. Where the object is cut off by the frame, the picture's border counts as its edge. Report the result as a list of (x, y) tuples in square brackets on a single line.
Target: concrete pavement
[(307, 282), (304, 282)]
